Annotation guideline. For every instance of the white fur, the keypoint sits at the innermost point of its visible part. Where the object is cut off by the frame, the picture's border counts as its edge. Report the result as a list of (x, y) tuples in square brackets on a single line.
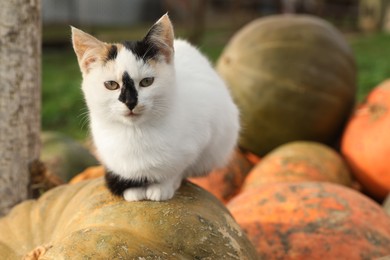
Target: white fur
[(188, 123)]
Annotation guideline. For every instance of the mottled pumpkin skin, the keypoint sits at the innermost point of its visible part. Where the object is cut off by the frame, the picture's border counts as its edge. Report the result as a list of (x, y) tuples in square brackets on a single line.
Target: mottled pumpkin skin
[(84, 221), (312, 220), (366, 142), (293, 78), (226, 182), (298, 162)]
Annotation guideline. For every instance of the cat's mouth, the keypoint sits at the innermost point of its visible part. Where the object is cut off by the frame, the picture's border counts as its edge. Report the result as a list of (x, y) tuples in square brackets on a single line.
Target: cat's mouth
[(132, 114)]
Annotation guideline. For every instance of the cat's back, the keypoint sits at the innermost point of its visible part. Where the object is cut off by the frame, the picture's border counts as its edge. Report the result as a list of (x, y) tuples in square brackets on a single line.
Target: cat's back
[(202, 93), (191, 63), (187, 56), (194, 71)]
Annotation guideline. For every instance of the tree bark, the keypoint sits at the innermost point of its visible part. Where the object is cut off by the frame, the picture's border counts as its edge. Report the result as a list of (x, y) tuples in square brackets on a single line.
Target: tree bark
[(20, 73)]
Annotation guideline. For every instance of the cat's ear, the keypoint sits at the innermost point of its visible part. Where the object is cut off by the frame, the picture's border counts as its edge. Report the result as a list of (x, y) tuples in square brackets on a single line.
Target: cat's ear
[(161, 35), (88, 49)]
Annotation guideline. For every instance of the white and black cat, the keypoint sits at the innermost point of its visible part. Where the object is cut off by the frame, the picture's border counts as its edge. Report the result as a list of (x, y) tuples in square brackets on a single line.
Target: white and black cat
[(158, 111)]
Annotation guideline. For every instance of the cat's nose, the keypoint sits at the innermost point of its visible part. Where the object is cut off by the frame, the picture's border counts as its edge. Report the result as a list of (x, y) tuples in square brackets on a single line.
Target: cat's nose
[(129, 97), (131, 103), (129, 100)]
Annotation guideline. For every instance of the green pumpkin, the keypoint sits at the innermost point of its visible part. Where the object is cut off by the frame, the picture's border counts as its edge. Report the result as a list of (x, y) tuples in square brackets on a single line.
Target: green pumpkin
[(84, 221), (293, 78), (64, 156)]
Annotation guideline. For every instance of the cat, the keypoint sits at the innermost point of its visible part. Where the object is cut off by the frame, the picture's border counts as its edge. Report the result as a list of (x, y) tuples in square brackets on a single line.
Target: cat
[(158, 111)]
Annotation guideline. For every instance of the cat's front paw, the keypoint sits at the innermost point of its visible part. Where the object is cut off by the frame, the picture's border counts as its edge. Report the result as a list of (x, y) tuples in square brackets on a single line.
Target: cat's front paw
[(134, 194), (159, 192)]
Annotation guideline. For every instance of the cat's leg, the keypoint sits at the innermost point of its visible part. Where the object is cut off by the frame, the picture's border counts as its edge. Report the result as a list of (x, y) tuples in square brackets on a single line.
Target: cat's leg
[(130, 189), (163, 190), (135, 194)]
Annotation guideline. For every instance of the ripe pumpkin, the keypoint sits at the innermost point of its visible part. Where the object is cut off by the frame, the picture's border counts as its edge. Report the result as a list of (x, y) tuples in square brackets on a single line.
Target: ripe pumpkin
[(226, 182), (293, 78), (299, 161), (366, 142), (91, 172), (312, 220), (253, 158), (84, 221)]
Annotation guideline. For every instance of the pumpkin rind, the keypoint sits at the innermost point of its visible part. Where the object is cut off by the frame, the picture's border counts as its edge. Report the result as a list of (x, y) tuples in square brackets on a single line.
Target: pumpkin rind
[(84, 220), (293, 78), (226, 182), (312, 220), (366, 142), (299, 161)]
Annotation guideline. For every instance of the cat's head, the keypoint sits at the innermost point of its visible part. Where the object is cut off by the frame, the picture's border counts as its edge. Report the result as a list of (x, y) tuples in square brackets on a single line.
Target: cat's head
[(129, 82)]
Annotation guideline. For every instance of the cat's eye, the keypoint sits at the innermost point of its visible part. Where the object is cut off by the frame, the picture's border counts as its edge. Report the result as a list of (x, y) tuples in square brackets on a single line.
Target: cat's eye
[(146, 82), (111, 85)]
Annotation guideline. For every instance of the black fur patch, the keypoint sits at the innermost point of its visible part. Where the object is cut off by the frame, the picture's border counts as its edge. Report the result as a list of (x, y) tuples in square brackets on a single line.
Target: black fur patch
[(112, 53), (129, 94), (144, 49), (117, 185)]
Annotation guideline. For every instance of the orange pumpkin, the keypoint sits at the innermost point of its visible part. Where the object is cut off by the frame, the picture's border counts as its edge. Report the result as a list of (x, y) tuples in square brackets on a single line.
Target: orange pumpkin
[(226, 182), (92, 172), (366, 142), (299, 161), (253, 158), (312, 220)]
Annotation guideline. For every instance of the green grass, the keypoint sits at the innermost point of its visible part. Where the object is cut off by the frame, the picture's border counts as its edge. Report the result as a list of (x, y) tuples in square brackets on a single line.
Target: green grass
[(372, 54), (63, 107)]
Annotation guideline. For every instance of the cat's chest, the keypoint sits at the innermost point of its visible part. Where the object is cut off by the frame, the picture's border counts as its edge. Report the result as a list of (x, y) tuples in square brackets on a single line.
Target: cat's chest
[(122, 141)]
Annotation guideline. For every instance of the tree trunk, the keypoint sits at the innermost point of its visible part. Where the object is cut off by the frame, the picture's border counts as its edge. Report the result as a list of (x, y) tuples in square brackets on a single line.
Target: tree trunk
[(20, 52)]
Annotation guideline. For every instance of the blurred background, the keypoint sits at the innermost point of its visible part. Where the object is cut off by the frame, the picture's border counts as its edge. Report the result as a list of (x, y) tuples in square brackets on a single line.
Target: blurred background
[(209, 24)]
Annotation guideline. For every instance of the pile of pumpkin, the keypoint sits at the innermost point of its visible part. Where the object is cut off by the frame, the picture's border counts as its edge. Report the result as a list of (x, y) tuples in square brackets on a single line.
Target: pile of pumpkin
[(313, 164), (298, 185)]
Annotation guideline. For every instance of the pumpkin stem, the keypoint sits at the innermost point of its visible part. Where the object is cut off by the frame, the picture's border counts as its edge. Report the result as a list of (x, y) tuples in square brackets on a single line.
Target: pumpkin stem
[(37, 252)]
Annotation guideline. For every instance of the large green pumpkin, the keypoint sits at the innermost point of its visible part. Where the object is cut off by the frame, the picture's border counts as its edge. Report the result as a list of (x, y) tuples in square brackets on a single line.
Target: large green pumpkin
[(84, 221), (293, 78)]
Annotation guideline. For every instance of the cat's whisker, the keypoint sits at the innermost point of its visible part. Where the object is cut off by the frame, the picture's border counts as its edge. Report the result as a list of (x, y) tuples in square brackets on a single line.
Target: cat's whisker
[(84, 118)]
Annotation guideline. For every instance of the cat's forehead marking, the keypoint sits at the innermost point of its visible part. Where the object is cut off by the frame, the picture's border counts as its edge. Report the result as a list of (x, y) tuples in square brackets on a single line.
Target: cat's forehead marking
[(128, 60), (142, 49), (112, 52)]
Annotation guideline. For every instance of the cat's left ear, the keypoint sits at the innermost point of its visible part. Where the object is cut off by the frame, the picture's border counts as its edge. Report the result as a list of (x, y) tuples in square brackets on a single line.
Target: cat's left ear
[(161, 35), (88, 49)]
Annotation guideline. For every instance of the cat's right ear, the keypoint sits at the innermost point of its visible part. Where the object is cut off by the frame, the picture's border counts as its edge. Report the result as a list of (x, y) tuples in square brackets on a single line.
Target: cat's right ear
[(88, 49), (161, 35)]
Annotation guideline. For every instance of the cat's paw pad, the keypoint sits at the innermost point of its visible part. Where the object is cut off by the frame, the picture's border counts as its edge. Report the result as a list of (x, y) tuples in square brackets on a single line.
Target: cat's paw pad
[(134, 194), (159, 192)]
